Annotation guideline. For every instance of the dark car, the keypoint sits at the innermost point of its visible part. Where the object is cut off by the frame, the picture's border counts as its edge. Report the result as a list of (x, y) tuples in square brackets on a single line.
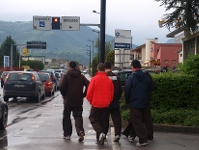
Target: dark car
[(123, 74), (3, 76), (3, 114), (49, 84), (53, 77), (23, 84)]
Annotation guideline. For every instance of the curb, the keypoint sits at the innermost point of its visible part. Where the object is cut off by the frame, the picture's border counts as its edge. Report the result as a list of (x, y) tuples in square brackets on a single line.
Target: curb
[(170, 128)]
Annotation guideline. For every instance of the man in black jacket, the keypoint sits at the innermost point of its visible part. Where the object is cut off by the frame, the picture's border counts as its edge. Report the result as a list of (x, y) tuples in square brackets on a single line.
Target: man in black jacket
[(137, 91), (114, 107), (71, 87)]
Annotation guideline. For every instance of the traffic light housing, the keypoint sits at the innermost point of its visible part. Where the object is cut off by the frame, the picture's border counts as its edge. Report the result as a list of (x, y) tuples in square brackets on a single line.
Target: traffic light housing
[(55, 23)]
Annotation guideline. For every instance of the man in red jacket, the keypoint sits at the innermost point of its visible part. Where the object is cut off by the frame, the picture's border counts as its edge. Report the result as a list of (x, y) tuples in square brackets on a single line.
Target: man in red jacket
[(100, 94)]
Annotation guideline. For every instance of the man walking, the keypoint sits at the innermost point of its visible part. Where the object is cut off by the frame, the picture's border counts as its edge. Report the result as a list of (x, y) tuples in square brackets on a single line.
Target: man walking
[(137, 91), (72, 87), (114, 107), (100, 95)]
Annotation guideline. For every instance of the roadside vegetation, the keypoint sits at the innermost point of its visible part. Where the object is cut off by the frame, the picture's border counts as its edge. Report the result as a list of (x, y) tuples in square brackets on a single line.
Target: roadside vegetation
[(175, 101)]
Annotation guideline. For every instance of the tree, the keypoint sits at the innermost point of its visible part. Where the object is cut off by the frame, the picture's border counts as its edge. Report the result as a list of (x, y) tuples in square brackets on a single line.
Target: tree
[(33, 64), (190, 65), (111, 57), (185, 14), (5, 51)]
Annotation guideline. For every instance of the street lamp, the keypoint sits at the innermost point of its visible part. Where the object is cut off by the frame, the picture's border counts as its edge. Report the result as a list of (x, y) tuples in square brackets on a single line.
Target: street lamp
[(92, 55), (97, 31), (89, 57), (94, 11)]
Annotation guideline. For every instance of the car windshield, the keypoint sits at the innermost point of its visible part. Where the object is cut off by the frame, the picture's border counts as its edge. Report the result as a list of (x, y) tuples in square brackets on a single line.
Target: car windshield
[(19, 76), (43, 77)]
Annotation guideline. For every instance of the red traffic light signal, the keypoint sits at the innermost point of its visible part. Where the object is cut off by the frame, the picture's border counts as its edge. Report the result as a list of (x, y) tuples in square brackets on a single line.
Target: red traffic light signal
[(55, 23)]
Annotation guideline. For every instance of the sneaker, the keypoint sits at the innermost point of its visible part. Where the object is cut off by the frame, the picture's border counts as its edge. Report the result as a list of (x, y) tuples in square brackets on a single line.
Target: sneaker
[(81, 136), (131, 139), (142, 144), (67, 137), (117, 138), (101, 139)]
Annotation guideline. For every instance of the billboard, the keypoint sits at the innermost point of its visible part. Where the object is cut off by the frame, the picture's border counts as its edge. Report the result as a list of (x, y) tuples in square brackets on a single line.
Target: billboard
[(123, 39), (6, 61)]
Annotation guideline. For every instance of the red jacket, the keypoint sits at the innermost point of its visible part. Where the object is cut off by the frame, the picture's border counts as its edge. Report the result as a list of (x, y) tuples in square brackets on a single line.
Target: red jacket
[(100, 90)]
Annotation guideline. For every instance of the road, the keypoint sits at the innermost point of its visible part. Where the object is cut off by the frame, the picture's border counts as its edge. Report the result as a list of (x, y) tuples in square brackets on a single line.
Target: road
[(35, 126)]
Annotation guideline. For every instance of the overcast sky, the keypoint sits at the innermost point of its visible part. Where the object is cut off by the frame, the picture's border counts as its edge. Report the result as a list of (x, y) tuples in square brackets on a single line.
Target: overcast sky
[(139, 16)]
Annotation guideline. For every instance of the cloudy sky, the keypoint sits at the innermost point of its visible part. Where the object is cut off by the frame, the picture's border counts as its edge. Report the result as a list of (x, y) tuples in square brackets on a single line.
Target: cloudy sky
[(139, 16)]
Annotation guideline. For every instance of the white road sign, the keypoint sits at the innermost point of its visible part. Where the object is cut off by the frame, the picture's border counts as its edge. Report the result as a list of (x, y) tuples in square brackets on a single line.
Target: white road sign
[(70, 23), (6, 61), (42, 23), (122, 36)]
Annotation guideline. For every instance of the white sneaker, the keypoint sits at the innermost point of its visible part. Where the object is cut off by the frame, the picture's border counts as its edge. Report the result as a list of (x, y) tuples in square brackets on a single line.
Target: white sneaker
[(101, 139), (142, 144), (131, 139), (67, 137), (117, 138)]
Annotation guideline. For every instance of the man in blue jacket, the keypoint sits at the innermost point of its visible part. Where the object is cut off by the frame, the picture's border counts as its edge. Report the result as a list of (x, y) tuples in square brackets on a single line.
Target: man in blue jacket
[(137, 91)]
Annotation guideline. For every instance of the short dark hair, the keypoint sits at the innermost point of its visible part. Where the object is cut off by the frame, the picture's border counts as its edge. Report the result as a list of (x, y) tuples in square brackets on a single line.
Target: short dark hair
[(72, 64), (107, 65), (136, 64), (100, 67)]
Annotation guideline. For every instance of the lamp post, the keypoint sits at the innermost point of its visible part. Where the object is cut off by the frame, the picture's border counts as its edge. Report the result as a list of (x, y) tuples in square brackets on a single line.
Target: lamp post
[(89, 57), (97, 31), (92, 54)]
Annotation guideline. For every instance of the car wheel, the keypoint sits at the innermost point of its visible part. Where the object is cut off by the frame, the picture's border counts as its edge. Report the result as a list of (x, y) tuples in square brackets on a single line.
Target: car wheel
[(6, 98), (4, 119)]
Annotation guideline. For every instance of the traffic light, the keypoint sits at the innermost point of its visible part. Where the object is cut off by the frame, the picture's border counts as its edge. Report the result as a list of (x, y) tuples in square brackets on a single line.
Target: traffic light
[(55, 23)]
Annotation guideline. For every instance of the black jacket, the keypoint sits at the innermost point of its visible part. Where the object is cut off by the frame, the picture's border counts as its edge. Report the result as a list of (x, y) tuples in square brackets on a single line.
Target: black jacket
[(71, 87), (117, 89)]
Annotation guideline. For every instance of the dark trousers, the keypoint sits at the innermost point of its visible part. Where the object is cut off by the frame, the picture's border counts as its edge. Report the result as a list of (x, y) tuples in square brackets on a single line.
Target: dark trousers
[(137, 120), (117, 121), (99, 120), (77, 114), (147, 120)]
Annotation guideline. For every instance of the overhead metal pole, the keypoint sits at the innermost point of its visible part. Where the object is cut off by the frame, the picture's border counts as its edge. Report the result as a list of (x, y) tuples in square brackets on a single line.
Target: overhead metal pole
[(102, 30)]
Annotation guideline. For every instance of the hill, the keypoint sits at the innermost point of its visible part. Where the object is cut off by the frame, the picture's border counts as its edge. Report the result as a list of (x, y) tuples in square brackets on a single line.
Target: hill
[(61, 44)]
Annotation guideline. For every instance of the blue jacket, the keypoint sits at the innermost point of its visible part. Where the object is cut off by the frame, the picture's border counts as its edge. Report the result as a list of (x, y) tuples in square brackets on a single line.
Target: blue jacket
[(137, 89)]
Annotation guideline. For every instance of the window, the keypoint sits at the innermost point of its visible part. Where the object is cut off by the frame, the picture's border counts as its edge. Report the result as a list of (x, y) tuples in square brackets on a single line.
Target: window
[(180, 55), (166, 61), (151, 49), (173, 61)]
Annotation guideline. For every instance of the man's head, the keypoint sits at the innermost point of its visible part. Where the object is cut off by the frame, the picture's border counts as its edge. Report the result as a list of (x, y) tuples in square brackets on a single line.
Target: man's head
[(72, 64), (107, 65), (136, 64), (100, 67)]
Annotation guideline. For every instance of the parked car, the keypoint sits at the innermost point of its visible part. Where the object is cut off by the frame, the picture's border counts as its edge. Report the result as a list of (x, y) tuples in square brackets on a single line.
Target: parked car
[(3, 76), (23, 84), (3, 114), (53, 76), (123, 74), (49, 84)]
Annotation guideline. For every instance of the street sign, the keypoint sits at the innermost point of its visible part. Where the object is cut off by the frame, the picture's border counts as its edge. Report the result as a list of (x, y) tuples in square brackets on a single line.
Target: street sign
[(123, 39), (36, 45), (123, 45), (70, 23), (6, 61), (41, 22), (25, 51)]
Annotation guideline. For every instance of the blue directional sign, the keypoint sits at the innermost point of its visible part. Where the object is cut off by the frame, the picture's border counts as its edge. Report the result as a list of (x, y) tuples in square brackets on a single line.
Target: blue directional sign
[(123, 45), (6, 61), (42, 24)]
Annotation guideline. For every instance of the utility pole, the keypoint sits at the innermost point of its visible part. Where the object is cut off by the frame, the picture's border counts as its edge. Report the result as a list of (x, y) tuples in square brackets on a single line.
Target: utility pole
[(102, 30)]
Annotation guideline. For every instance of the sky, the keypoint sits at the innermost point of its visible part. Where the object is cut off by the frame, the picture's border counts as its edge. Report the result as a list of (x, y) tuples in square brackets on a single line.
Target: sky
[(139, 16)]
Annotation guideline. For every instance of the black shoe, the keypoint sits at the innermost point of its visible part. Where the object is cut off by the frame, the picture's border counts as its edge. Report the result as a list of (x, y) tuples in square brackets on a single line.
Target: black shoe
[(81, 136), (101, 139), (150, 137), (117, 138)]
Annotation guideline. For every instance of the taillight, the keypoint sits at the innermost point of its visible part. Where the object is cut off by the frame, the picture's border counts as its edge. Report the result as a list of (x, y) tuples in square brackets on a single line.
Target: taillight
[(33, 78)]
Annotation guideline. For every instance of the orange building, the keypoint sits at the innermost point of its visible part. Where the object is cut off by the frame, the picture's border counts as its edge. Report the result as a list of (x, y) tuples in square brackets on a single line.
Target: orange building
[(164, 54)]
